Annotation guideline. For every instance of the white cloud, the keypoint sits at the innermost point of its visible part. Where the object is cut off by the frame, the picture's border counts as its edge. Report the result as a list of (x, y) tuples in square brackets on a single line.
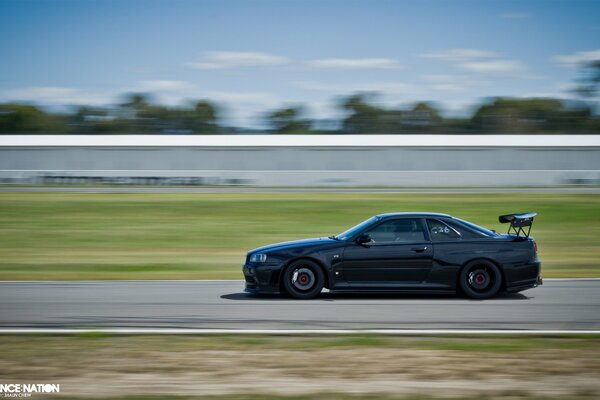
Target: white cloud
[(325, 110), (495, 67), (355, 63), (578, 58), (242, 97), (233, 59), (564, 86), (482, 62), (245, 108), (164, 85), (451, 83), (378, 87), (547, 95), (55, 95), (515, 15), (389, 94), (460, 54)]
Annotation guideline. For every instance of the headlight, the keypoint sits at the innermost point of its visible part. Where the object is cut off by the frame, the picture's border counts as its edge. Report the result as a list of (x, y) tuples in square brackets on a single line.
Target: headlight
[(258, 258)]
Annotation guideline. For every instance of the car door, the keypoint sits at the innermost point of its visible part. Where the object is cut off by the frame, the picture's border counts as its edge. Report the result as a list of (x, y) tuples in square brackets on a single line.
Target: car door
[(399, 253)]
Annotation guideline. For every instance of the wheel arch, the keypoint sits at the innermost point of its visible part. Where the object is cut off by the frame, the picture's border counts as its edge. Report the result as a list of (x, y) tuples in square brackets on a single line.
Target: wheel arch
[(309, 258), (479, 259)]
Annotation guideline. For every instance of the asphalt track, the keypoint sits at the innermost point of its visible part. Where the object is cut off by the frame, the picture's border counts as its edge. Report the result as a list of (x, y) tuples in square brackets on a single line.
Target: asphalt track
[(561, 305), (242, 189)]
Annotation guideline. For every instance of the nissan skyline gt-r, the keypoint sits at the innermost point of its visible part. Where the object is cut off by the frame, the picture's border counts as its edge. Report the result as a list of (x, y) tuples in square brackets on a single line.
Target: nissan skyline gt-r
[(402, 252)]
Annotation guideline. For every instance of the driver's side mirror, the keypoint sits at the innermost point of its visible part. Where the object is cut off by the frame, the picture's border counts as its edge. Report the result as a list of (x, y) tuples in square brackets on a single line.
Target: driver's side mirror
[(363, 239)]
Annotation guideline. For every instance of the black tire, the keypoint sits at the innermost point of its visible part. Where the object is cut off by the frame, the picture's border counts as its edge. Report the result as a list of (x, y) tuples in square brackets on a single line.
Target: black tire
[(303, 279), (480, 280)]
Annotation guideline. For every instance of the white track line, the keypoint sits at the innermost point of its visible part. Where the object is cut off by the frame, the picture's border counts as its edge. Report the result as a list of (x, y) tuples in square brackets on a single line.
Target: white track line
[(571, 279), (211, 280), (136, 281), (415, 140), (403, 332)]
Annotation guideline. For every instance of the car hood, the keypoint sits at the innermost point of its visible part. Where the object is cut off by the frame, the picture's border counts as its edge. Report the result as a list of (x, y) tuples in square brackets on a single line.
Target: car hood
[(293, 244)]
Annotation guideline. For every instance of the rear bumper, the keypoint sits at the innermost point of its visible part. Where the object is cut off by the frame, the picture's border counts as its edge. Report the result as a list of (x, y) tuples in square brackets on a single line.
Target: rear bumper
[(530, 283)]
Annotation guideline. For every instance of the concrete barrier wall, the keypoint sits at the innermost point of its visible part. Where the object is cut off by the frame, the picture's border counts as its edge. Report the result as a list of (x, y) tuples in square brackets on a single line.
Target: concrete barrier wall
[(304, 164)]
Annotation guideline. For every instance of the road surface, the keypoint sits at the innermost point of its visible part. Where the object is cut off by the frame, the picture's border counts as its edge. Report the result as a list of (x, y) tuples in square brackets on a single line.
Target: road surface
[(559, 304)]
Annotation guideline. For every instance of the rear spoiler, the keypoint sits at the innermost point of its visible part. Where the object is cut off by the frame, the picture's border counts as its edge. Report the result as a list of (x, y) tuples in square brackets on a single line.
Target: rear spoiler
[(518, 223)]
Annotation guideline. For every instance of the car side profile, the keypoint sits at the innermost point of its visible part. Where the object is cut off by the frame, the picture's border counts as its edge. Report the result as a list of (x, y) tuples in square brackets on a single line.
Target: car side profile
[(402, 252)]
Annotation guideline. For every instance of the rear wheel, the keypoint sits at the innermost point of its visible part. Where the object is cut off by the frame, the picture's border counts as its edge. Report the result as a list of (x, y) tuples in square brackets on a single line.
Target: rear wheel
[(480, 280), (303, 279)]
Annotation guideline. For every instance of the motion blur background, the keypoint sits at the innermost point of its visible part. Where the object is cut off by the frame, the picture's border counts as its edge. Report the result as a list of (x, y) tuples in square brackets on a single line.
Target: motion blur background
[(188, 72), (209, 67), (161, 140)]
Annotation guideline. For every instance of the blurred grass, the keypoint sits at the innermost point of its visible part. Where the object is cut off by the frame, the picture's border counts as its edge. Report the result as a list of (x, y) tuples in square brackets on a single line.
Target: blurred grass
[(46, 236), (51, 345)]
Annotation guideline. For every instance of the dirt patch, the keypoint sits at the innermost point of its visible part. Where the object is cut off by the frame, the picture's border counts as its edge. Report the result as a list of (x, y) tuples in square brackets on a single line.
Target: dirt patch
[(175, 365)]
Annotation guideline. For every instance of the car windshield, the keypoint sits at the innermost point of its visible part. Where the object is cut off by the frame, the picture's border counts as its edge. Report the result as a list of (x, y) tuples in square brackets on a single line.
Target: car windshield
[(477, 228), (355, 229)]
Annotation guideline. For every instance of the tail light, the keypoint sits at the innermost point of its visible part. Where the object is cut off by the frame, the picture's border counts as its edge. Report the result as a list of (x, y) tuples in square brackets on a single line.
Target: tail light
[(534, 247)]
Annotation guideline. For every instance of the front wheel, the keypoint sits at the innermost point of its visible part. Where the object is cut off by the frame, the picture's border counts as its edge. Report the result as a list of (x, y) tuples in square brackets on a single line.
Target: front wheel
[(480, 280), (303, 279)]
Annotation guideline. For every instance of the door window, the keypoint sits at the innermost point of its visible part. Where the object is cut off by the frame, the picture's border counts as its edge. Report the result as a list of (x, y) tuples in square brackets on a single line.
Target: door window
[(404, 230)]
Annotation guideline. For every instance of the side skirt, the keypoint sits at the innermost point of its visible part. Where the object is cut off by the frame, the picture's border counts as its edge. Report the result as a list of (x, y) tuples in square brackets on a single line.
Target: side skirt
[(392, 291)]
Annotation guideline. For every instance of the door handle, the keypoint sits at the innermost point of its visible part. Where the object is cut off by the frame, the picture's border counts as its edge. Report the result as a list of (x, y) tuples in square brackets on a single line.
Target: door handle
[(419, 249)]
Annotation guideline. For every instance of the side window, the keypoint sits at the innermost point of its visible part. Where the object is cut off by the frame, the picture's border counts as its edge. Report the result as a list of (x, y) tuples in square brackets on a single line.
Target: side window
[(441, 232), (465, 232), (404, 230)]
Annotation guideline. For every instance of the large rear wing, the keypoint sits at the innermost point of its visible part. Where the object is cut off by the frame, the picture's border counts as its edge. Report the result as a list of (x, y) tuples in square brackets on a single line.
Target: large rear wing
[(519, 223)]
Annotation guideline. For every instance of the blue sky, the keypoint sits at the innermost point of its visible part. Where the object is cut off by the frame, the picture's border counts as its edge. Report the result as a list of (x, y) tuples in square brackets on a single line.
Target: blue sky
[(253, 56)]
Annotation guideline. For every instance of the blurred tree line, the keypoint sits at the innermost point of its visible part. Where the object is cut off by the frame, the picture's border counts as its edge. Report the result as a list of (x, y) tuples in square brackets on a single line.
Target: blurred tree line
[(135, 116), (363, 116), (138, 115)]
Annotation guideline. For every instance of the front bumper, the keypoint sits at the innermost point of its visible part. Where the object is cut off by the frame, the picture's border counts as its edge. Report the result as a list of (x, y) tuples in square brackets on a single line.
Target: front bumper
[(263, 279)]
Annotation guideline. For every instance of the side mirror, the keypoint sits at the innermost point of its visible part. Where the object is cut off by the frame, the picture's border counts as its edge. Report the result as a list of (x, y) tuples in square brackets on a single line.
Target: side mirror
[(364, 238)]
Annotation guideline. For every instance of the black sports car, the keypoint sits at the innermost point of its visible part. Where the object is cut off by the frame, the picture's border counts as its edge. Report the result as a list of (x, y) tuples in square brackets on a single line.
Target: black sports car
[(402, 252)]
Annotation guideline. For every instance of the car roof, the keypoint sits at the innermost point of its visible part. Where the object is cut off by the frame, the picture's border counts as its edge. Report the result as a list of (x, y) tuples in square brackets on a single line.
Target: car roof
[(413, 214)]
